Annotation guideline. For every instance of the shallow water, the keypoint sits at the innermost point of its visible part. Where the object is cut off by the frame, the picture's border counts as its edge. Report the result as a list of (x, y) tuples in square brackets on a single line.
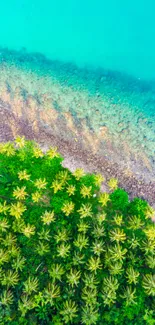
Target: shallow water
[(87, 67), (114, 34)]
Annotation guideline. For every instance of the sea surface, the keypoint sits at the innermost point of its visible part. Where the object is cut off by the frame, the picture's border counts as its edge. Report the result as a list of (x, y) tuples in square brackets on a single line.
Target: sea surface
[(114, 34), (88, 65)]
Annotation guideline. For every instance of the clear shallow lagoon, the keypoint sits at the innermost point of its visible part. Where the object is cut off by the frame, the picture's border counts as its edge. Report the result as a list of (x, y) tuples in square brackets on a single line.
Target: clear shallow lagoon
[(115, 34), (95, 63)]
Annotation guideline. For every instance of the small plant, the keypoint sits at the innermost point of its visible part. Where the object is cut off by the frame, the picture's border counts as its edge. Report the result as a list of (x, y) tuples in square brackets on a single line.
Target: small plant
[(70, 254)]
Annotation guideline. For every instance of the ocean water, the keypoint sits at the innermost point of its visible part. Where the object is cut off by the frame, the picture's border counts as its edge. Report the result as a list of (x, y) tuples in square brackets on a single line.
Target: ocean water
[(114, 34), (87, 66)]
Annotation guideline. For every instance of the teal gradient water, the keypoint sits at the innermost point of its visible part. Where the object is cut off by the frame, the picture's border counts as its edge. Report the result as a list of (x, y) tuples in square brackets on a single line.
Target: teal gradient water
[(113, 34)]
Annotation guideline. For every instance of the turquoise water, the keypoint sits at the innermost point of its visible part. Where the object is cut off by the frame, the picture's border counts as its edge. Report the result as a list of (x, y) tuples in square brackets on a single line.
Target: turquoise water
[(113, 34)]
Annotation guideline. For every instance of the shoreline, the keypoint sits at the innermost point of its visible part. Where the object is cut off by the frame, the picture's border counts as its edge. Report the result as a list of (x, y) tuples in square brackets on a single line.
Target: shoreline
[(75, 157), (102, 121)]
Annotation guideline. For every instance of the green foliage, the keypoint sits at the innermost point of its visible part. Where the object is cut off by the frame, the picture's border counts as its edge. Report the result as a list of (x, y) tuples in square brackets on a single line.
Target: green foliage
[(119, 200), (68, 256), (138, 207)]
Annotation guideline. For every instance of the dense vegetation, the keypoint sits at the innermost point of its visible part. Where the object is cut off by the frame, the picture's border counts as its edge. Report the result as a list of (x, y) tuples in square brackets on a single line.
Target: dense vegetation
[(70, 254)]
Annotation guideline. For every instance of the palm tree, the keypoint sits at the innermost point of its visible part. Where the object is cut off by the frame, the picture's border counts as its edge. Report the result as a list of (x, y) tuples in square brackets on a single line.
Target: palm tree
[(4, 256), (99, 179), (37, 152), (98, 247), (150, 261), (81, 241), (103, 199), (86, 191), (4, 226), (148, 246), (118, 219), (63, 176), (73, 277), (71, 190), (135, 223), (14, 250), (36, 196), (57, 185), (56, 271), (79, 172), (48, 217), (113, 183), (89, 295), (9, 240), (18, 263), (129, 296), (150, 232), (10, 278), (44, 234), (116, 268), (42, 248), (117, 235), (52, 152), (4, 208), (6, 298), (109, 288), (40, 183), (85, 211), (94, 264), (17, 209), (78, 258), (68, 208), (134, 242), (110, 282), (69, 311), (20, 142), (63, 250), (51, 292), (20, 193), (100, 218), (30, 285), (90, 315), (83, 226), (90, 280), (25, 304), (28, 230), (148, 284), (117, 253), (132, 275), (23, 175), (9, 149), (18, 225), (62, 235), (98, 231)]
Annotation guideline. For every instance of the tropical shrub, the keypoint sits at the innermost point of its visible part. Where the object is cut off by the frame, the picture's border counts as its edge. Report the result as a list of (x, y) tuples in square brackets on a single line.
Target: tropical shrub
[(70, 254)]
